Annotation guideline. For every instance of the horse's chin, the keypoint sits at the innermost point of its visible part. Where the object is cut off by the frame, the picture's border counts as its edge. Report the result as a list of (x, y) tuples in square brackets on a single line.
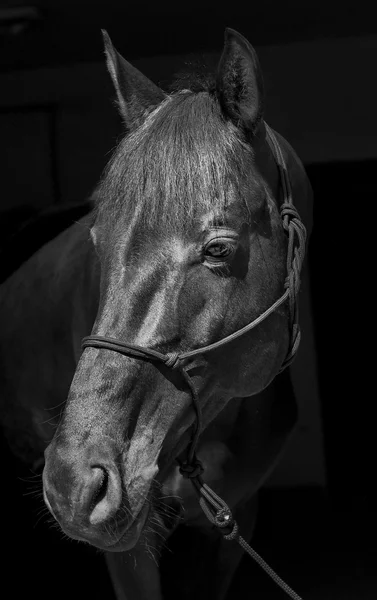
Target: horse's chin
[(131, 535), (159, 516)]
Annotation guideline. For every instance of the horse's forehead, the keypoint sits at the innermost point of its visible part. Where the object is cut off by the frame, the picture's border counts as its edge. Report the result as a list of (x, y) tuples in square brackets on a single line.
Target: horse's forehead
[(172, 250), (232, 215), (164, 243), (151, 250)]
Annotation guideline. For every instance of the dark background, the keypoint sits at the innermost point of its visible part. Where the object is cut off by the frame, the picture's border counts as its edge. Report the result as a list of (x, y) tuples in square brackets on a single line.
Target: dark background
[(57, 127)]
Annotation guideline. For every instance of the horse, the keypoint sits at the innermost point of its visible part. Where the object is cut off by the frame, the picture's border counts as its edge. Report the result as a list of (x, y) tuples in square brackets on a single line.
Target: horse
[(182, 282)]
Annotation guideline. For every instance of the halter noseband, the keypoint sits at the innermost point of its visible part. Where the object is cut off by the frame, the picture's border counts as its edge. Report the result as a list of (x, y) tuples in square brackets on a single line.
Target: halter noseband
[(295, 255)]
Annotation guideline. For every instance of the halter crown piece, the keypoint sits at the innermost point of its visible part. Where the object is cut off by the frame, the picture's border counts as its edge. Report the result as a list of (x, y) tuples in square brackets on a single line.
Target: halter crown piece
[(216, 510)]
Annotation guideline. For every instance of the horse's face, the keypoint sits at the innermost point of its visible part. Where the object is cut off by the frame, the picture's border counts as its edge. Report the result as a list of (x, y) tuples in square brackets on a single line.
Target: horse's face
[(191, 249)]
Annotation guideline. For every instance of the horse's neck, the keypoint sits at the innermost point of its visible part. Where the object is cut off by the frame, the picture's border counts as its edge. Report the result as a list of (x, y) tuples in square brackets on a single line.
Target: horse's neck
[(71, 267)]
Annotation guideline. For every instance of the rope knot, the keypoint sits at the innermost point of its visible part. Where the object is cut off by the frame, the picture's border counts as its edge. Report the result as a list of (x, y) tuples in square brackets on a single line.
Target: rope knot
[(288, 209), (172, 359), (191, 470), (225, 522)]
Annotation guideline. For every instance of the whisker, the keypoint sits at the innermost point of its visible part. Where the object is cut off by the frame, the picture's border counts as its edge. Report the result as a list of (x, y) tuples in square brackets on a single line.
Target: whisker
[(34, 493), (41, 515), (32, 479), (174, 496)]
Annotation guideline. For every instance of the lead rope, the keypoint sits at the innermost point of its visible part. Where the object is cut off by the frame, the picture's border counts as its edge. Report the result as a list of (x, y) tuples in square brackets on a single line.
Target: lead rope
[(220, 515), (215, 509)]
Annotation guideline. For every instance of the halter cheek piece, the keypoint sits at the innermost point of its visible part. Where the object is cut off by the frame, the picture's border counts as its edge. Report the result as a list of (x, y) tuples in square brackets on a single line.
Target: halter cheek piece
[(213, 506)]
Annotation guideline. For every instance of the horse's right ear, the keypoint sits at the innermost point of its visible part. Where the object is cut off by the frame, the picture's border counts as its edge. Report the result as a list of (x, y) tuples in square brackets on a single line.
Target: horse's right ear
[(239, 83), (137, 95)]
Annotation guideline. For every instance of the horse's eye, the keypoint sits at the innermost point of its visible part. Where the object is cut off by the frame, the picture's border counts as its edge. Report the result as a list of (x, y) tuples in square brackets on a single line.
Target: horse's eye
[(218, 250)]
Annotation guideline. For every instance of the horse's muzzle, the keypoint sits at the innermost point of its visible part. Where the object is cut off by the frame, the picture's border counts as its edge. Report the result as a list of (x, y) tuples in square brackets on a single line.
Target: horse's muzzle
[(89, 503)]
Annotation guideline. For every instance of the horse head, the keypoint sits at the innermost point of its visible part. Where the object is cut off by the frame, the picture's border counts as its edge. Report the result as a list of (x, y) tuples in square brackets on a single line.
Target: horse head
[(191, 248)]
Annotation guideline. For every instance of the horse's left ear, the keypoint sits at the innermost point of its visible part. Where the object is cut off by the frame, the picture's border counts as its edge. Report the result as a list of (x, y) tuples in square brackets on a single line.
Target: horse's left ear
[(239, 83), (137, 95)]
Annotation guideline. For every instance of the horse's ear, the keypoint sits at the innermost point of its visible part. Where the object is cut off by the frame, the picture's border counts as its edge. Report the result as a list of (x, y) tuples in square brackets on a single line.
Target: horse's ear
[(239, 83), (137, 95)]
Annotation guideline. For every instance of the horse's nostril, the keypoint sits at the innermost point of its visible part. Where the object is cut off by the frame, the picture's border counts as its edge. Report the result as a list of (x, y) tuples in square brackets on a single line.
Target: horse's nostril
[(102, 477), (106, 495)]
